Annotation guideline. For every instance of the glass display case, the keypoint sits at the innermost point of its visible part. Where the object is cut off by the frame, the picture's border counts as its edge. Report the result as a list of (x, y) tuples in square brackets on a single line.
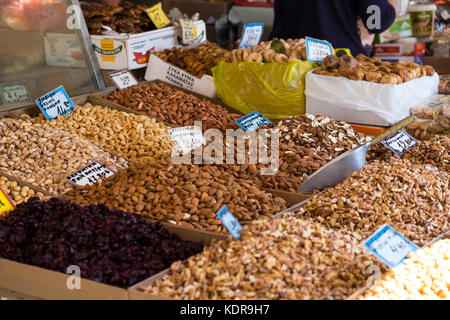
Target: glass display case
[(44, 44)]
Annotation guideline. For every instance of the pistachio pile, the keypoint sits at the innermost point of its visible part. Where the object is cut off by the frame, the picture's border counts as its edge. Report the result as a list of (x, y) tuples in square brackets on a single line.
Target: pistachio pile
[(16, 192)]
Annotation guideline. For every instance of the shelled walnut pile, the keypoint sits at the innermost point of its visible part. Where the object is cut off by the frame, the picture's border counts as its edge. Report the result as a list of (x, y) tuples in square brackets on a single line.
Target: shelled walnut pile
[(181, 194), (135, 137), (175, 106), (16, 192), (372, 70), (44, 157), (125, 18), (285, 258), (197, 61), (424, 275), (414, 199), (287, 51)]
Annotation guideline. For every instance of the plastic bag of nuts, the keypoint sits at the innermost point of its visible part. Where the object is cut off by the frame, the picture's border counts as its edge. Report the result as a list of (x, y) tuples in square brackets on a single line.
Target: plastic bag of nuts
[(185, 195), (286, 258), (134, 137), (174, 106), (44, 157)]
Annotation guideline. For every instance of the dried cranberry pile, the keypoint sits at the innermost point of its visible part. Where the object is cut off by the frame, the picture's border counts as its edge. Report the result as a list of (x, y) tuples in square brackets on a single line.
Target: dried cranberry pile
[(109, 246)]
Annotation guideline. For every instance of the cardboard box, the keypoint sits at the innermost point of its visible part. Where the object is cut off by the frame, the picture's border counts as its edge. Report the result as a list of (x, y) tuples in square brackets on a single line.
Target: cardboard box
[(133, 51), (64, 50), (415, 59), (206, 9), (391, 49), (25, 281)]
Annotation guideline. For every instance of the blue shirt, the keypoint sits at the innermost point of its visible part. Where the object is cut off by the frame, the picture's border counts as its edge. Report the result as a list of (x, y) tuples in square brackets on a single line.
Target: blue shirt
[(332, 20)]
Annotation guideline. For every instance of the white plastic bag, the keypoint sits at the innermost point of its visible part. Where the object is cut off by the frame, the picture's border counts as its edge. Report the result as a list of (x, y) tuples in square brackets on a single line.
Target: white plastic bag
[(365, 102)]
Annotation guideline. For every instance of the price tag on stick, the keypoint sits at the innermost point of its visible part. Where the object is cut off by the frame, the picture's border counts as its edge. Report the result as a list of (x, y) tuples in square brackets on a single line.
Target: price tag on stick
[(187, 31), (187, 138), (230, 222), (5, 203), (157, 15), (389, 246), (251, 35), (399, 142), (55, 103), (123, 79), (91, 174), (252, 121), (317, 50), (14, 92)]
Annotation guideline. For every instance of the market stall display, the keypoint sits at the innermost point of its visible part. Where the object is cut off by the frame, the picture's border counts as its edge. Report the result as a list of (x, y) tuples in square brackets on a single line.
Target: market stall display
[(423, 276), (182, 194), (107, 245)]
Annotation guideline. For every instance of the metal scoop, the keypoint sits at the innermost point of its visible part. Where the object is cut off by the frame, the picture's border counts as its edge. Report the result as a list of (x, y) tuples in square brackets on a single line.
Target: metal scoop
[(340, 168)]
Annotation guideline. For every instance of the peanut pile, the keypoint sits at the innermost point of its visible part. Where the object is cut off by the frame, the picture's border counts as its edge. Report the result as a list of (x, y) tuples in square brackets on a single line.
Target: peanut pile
[(134, 137), (197, 61), (184, 195), (414, 199), (16, 192), (425, 275), (285, 258), (174, 106), (44, 157)]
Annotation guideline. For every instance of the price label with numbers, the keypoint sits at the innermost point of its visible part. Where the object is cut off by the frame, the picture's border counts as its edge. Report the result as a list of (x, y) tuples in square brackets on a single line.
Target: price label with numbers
[(252, 121), (123, 79), (91, 174), (251, 35), (5, 203), (55, 103), (187, 138), (317, 50), (389, 246), (230, 222), (157, 15), (399, 142), (187, 31), (14, 92)]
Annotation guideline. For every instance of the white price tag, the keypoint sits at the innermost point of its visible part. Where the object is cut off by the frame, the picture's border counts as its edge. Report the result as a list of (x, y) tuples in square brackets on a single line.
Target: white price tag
[(251, 35), (14, 92), (252, 121), (317, 50), (55, 103), (187, 30), (399, 142), (91, 174), (389, 246), (123, 79), (187, 138), (230, 222)]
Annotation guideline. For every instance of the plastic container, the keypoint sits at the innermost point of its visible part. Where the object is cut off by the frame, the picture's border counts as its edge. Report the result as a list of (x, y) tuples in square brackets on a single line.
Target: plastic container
[(422, 18)]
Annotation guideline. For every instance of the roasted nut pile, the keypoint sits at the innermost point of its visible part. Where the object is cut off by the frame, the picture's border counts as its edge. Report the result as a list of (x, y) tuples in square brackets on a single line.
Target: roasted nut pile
[(44, 157), (286, 51), (135, 137), (174, 106), (125, 18), (185, 195), (285, 258), (197, 61), (425, 275), (18, 193), (108, 246), (373, 70), (413, 199)]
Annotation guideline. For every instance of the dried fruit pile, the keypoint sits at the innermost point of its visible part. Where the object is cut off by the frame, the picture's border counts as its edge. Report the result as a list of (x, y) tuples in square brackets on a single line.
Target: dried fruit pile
[(285, 258), (186, 195), (424, 275), (108, 246), (414, 199), (197, 61)]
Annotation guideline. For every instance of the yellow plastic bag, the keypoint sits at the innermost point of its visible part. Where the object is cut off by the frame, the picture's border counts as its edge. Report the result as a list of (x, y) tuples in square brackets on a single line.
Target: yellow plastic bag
[(276, 90)]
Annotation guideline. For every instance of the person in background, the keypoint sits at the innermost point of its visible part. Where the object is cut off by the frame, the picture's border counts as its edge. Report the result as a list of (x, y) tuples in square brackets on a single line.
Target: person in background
[(334, 20)]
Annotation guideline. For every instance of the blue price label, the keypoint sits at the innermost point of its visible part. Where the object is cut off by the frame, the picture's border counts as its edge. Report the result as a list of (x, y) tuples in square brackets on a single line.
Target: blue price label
[(317, 50), (389, 246), (230, 222), (55, 103), (252, 121), (399, 142), (251, 35)]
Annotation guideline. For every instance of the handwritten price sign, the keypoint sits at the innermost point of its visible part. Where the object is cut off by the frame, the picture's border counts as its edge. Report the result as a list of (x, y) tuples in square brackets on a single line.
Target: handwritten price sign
[(252, 35), (317, 50), (252, 121), (55, 103), (123, 79), (14, 92), (90, 175), (399, 142)]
